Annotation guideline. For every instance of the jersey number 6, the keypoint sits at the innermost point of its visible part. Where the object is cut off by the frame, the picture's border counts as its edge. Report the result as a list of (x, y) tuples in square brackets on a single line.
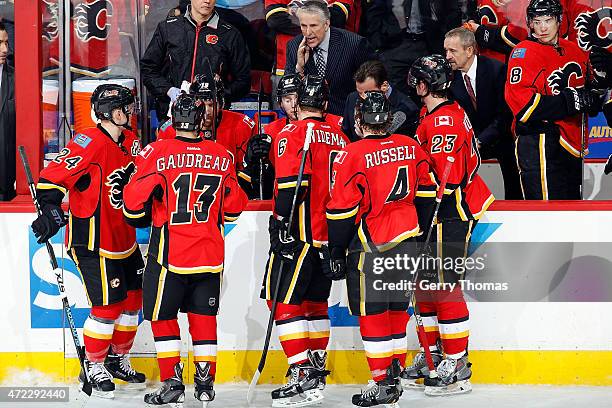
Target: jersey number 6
[(207, 185)]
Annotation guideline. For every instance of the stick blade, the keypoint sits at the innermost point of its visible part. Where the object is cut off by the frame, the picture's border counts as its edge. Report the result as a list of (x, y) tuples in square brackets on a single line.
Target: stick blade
[(252, 385)]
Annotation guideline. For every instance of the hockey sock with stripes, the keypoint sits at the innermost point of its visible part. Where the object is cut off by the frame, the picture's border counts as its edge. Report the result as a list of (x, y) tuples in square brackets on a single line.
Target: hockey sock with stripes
[(399, 320), (454, 321), (127, 323), (167, 336), (203, 330), (98, 330), (430, 323), (292, 328), (377, 343), (318, 324)]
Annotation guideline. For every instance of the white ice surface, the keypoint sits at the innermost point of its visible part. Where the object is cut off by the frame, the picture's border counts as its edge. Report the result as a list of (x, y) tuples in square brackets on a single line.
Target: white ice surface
[(483, 396)]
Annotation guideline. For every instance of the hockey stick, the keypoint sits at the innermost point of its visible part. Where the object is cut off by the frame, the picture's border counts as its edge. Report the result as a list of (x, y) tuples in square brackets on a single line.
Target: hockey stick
[(60, 280), (264, 353), (417, 314), (260, 131)]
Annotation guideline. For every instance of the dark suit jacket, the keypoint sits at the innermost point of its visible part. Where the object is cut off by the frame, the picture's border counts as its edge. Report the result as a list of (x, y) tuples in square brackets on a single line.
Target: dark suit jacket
[(398, 102), (347, 51), (492, 117), (384, 32), (7, 134)]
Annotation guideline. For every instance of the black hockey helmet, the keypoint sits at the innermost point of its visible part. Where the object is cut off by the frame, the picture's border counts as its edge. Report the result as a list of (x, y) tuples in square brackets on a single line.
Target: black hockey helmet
[(187, 113), (313, 92), (434, 70), (537, 8), (205, 88), (288, 84), (374, 108), (108, 97)]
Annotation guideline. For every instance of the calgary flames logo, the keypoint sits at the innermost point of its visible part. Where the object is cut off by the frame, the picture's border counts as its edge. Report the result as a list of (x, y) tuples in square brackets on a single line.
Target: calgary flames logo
[(488, 16), (560, 78), (50, 29), (91, 19), (117, 181), (592, 29)]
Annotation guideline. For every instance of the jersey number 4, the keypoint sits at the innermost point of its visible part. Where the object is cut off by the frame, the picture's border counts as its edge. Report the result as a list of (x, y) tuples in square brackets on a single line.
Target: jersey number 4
[(401, 187), (206, 185)]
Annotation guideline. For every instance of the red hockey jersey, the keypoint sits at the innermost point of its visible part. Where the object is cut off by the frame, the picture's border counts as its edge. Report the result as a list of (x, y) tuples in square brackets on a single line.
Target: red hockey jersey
[(375, 181), (95, 42), (326, 142), (200, 193), (447, 131), (537, 71), (492, 15), (95, 170), (233, 132)]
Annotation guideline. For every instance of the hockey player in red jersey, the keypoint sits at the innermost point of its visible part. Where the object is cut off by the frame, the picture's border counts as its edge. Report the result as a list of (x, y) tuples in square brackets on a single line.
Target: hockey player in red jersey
[(445, 131), (375, 181), (230, 129), (547, 92), (301, 316), (186, 188), (94, 168)]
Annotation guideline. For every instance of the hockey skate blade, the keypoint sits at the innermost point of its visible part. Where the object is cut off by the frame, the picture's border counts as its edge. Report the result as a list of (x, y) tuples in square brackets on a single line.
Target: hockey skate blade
[(460, 387), (410, 384), (170, 404), (127, 386), (103, 394), (308, 398)]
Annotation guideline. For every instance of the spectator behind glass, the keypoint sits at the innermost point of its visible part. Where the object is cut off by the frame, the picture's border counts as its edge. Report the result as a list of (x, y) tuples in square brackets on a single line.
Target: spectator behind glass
[(7, 120), (329, 52), (478, 86), (372, 76), (405, 30), (169, 59)]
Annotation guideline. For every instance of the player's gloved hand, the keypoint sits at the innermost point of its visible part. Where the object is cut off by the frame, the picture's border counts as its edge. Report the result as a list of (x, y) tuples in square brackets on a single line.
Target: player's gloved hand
[(333, 262), (601, 60), (578, 99), (608, 168), (173, 93), (258, 147), (47, 224), (281, 241)]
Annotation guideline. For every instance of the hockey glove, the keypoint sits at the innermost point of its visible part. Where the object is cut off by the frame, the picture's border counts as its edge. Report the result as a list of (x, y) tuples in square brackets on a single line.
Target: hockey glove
[(258, 148), (608, 168), (47, 224), (578, 100), (601, 60), (333, 262), (281, 241)]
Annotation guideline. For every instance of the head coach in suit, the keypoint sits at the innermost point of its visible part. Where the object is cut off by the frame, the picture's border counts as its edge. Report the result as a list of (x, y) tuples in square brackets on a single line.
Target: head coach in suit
[(478, 86), (7, 121), (327, 51)]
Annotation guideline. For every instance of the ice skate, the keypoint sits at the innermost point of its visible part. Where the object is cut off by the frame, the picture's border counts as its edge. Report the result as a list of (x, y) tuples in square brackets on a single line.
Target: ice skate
[(101, 380), (385, 393), (319, 359), (413, 376), (171, 392), (453, 378), (120, 367), (302, 389), (203, 383)]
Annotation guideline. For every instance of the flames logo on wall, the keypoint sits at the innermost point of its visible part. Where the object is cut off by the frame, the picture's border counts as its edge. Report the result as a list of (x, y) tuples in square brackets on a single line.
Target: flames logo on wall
[(91, 20), (50, 29), (117, 180), (560, 78), (592, 30)]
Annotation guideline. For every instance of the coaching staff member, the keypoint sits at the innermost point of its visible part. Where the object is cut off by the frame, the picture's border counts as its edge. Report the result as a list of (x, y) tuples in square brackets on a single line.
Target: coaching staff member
[(178, 50), (327, 51)]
